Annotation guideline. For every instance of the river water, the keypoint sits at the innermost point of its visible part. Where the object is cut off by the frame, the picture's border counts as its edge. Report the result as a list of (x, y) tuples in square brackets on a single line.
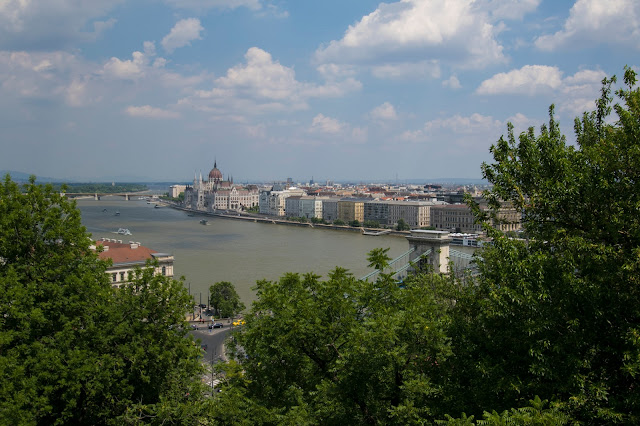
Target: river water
[(240, 252)]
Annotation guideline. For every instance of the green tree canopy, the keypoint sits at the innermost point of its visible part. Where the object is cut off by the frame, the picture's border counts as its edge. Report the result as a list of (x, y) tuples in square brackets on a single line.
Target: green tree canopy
[(72, 349), (225, 300), (342, 351), (559, 315), (402, 225)]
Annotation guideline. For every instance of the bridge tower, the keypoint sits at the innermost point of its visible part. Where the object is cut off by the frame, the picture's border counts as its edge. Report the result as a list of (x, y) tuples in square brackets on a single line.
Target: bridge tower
[(437, 242)]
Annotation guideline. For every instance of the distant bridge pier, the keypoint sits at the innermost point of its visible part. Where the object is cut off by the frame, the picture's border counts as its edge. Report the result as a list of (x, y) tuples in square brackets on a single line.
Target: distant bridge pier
[(434, 245), (96, 197), (126, 197)]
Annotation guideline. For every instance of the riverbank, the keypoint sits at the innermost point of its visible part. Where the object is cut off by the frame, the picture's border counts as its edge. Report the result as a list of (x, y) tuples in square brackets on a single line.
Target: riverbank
[(276, 221)]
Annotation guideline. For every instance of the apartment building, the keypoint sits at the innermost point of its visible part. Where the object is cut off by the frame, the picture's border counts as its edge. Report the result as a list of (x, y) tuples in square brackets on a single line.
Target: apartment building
[(351, 209), (303, 206), (459, 218)]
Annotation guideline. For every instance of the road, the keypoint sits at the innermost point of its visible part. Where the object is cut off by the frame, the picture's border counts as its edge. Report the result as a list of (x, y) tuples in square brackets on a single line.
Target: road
[(213, 339)]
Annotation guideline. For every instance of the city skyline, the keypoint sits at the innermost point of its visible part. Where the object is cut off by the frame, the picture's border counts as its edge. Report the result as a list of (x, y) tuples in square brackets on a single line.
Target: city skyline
[(157, 90)]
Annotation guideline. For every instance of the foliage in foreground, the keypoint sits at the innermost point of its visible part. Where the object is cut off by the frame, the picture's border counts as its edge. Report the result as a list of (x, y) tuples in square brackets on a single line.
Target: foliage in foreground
[(559, 315), (73, 350)]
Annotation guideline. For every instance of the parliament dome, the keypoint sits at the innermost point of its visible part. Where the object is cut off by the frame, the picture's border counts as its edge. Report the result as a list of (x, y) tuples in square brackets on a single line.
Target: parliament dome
[(215, 174)]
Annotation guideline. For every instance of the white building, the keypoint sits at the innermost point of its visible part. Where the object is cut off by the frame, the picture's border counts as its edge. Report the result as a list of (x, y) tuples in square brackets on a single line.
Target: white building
[(127, 257), (175, 190), (273, 203), (303, 206)]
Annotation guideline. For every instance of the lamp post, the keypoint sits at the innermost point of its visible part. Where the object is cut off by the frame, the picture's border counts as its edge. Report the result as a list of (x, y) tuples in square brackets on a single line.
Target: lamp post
[(193, 313)]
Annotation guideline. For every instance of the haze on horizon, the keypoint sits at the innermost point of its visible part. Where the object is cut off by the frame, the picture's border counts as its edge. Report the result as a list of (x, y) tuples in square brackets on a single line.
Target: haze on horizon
[(367, 91)]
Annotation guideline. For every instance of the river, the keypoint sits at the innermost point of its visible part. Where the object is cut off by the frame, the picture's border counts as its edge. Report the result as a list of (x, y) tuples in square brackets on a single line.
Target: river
[(240, 252)]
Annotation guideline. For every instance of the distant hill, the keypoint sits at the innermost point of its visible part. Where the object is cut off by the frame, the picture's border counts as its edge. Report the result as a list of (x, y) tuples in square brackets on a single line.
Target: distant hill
[(24, 177)]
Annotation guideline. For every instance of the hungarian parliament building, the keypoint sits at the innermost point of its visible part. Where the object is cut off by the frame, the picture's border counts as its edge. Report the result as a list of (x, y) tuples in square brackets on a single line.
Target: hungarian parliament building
[(215, 193)]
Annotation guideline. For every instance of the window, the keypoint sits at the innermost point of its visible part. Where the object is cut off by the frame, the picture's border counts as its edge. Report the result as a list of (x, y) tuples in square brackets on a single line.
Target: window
[(122, 276), (164, 270), (114, 277)]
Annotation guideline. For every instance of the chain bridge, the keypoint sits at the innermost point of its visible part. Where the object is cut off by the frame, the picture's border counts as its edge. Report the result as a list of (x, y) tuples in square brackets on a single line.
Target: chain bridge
[(433, 248)]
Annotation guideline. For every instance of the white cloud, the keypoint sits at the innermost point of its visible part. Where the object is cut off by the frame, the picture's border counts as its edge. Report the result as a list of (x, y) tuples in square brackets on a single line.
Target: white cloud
[(27, 25), (147, 111), (412, 136), (472, 133), (475, 123), (386, 111), (43, 76), (590, 22), (429, 69), (528, 80), (451, 31), (68, 78), (577, 91), (217, 4), (332, 71), (509, 9), (182, 34), (129, 69), (262, 85), (452, 83), (325, 124)]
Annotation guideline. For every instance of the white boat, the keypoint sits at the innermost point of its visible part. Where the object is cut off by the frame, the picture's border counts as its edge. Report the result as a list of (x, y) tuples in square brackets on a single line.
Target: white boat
[(123, 231)]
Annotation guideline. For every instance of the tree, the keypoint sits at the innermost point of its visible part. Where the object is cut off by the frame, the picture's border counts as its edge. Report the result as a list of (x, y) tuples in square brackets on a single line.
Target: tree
[(72, 349), (225, 300), (342, 351), (354, 223), (402, 225), (339, 222), (371, 224), (558, 315), (378, 258)]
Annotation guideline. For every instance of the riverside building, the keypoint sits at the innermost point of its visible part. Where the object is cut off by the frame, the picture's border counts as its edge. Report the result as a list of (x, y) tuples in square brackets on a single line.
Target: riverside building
[(215, 193), (127, 257)]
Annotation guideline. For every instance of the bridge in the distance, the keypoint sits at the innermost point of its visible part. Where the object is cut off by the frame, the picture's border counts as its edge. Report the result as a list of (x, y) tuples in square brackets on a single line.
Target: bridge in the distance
[(97, 195), (443, 252)]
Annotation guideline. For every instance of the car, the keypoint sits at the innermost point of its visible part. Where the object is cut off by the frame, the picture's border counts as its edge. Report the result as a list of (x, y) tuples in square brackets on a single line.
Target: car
[(216, 325)]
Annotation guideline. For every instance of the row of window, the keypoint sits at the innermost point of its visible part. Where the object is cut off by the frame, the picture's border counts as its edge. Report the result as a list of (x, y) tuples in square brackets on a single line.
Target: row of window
[(123, 275)]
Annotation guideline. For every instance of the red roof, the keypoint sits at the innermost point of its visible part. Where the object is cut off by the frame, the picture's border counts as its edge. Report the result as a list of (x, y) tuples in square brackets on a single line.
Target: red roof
[(124, 252)]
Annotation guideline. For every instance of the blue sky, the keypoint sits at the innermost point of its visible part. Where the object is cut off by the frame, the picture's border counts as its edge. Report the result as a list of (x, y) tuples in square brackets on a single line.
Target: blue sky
[(340, 90)]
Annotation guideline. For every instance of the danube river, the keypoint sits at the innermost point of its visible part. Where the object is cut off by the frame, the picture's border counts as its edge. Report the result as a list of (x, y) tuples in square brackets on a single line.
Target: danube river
[(241, 252)]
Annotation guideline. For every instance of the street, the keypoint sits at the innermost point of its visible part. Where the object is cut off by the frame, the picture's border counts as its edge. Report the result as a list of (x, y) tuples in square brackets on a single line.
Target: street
[(213, 339)]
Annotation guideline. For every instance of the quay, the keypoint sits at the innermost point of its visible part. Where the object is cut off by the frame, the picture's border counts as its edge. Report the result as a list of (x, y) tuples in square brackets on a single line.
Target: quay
[(277, 221)]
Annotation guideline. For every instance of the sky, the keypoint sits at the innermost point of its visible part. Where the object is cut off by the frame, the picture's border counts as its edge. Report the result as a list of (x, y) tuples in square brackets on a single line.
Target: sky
[(159, 90)]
